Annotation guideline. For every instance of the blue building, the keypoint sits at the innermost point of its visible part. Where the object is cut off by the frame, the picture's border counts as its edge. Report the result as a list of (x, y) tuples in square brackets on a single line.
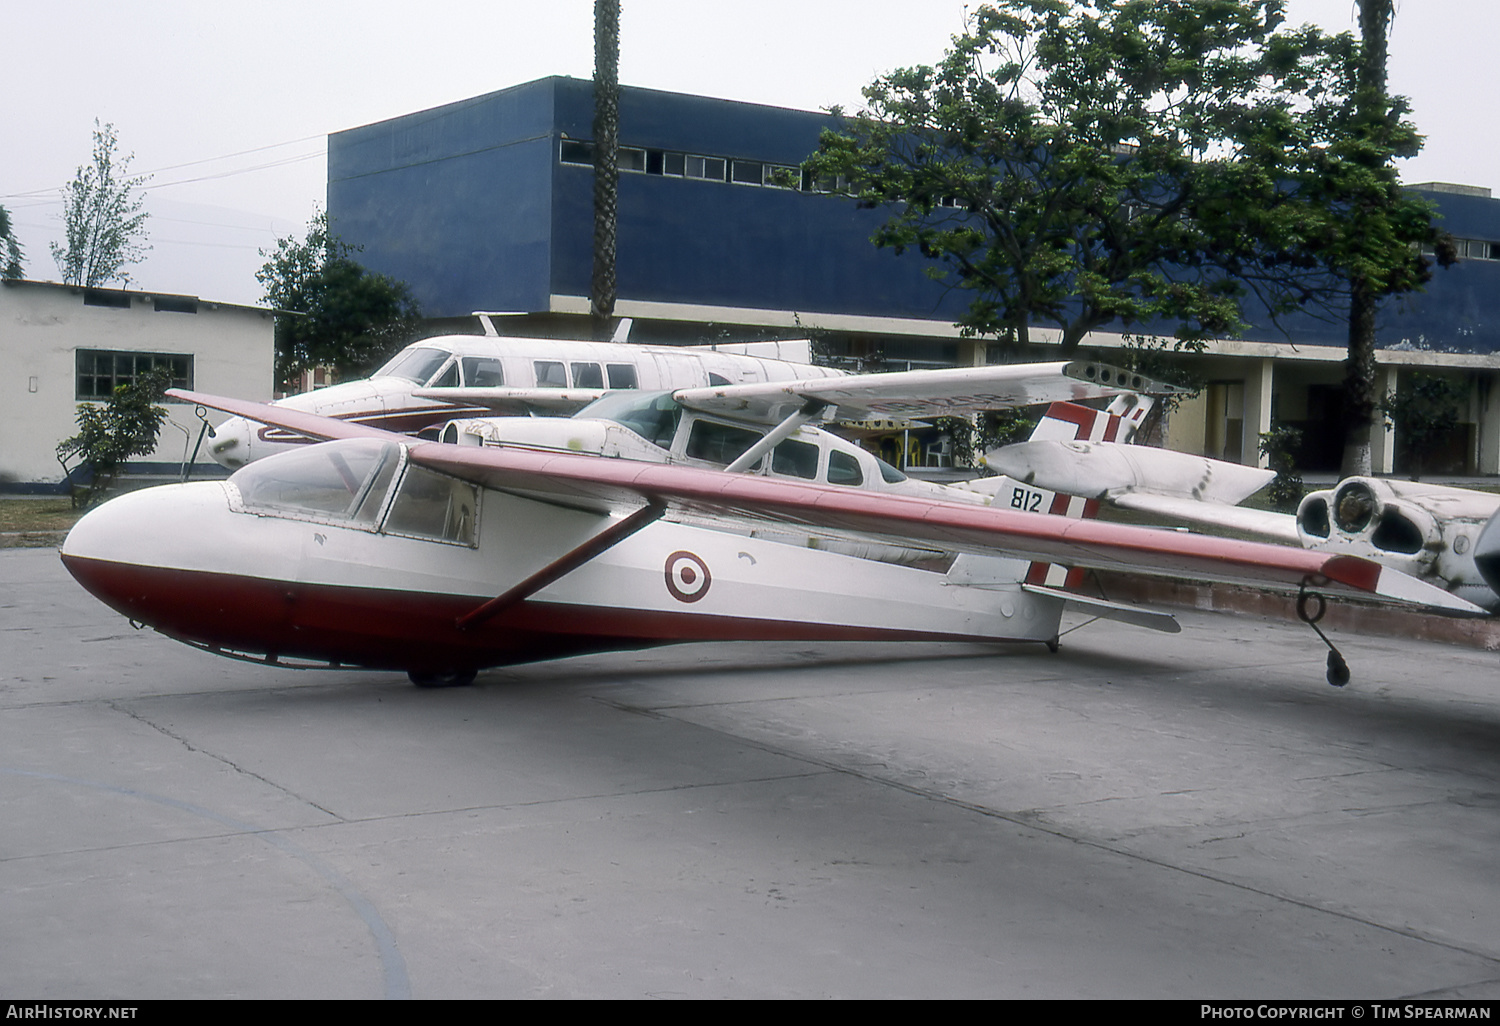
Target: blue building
[(487, 204)]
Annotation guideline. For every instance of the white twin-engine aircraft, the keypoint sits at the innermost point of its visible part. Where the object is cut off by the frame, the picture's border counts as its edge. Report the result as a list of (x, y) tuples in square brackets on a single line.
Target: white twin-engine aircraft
[(425, 384), (379, 550)]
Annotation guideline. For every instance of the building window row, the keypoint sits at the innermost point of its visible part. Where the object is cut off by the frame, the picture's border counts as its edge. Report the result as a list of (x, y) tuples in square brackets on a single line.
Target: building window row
[(121, 300), (1477, 249), (1470, 249), (101, 371), (673, 164)]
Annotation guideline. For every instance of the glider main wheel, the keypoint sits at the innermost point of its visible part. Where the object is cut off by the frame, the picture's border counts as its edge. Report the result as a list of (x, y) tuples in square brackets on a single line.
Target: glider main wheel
[(450, 679), (1053, 644)]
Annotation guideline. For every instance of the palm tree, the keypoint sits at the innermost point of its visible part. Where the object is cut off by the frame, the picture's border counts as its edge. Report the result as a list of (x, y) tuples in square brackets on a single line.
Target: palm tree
[(606, 161)]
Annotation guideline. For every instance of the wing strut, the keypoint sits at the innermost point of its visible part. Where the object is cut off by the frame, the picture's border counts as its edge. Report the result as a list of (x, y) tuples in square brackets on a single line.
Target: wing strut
[(605, 539), (811, 408)]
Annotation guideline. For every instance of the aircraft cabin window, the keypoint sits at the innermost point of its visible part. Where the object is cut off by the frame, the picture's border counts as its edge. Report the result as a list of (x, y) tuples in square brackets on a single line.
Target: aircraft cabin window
[(417, 365), (482, 372), (795, 459), (622, 375), (888, 473), (843, 469), (587, 375), (436, 506), (448, 379), (652, 415), (550, 374), (345, 480), (719, 443)]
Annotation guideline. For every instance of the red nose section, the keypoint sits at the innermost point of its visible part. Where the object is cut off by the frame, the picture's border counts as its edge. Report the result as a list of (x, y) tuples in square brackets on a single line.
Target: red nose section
[(212, 609)]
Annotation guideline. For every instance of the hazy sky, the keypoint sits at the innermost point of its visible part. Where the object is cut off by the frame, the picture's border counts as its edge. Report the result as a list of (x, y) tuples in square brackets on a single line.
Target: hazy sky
[(228, 104)]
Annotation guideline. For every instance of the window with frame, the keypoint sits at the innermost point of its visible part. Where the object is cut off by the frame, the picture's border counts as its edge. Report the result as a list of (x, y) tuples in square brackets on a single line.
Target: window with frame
[(434, 506), (587, 375), (712, 168), (621, 375), (550, 374), (795, 459), (843, 469), (747, 172), (719, 443), (574, 152), (101, 371), (483, 372), (341, 482)]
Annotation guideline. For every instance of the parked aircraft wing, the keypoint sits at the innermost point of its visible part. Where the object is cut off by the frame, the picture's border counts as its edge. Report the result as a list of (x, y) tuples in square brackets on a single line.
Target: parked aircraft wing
[(923, 393), (308, 425), (1261, 523), (694, 494), (1103, 470), (516, 402), (1191, 489)]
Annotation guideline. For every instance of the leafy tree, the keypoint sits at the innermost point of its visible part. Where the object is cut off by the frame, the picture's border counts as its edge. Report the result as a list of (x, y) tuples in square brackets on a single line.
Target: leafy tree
[(606, 161), (103, 222), (1080, 164), (1353, 221), (331, 311), (1425, 413), (125, 425), (10, 248)]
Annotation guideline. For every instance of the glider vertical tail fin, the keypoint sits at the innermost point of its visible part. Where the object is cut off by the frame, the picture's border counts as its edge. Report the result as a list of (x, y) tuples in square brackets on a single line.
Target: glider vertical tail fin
[(1130, 409), (1069, 422)]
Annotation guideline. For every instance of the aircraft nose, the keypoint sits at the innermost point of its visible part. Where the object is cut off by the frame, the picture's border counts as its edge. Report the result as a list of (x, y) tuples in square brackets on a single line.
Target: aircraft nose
[(128, 552), (231, 444)]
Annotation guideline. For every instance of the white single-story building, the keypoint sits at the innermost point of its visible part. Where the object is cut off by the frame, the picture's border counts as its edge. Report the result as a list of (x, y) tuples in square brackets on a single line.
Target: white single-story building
[(62, 345)]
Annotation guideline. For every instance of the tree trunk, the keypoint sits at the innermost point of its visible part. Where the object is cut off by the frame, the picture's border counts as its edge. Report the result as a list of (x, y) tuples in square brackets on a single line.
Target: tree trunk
[(606, 161), (1360, 401)]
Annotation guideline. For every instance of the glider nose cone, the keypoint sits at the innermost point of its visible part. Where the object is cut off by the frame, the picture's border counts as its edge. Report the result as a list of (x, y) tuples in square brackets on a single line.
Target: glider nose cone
[(126, 551), (231, 444)]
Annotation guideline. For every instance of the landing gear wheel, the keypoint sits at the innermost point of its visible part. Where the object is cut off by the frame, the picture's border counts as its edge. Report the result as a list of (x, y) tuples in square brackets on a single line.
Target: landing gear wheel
[(450, 679), (1053, 644), (1338, 669)]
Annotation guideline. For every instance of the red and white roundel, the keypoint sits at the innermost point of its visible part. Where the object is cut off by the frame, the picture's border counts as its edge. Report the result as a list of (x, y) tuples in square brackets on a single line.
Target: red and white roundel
[(687, 576)]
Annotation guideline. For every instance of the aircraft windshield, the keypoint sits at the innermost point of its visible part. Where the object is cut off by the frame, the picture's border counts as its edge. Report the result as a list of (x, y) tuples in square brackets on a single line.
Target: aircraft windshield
[(344, 480), (416, 365), (652, 415)]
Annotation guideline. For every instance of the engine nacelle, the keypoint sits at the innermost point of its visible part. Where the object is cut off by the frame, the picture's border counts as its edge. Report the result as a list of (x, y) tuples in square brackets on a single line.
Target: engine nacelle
[(1427, 531)]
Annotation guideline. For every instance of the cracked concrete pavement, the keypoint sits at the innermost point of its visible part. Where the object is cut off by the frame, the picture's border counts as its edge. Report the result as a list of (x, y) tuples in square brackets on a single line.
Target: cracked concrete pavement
[(1138, 816)]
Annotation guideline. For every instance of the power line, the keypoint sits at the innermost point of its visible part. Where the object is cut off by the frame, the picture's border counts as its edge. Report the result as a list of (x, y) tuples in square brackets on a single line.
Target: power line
[(206, 160)]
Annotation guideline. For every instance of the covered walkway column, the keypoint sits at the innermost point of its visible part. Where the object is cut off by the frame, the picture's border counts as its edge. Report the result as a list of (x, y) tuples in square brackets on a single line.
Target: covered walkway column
[(1383, 433), (1257, 412), (1487, 433), (973, 352)]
